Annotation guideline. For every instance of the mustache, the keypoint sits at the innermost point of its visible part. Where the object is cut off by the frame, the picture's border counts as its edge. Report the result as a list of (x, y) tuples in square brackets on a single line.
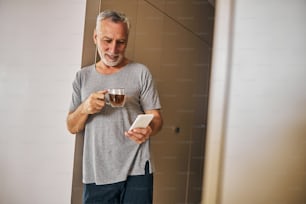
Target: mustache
[(112, 54), (108, 53)]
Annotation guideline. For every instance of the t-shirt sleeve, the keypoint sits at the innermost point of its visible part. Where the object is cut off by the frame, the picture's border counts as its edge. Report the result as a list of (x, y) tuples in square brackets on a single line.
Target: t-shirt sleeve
[(149, 94), (76, 93)]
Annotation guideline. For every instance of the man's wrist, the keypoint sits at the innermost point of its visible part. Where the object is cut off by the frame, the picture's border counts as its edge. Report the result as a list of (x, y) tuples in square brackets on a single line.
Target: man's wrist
[(84, 109)]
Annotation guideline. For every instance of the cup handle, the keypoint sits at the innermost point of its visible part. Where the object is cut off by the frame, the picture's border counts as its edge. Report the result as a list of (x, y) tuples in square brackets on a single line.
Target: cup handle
[(106, 98)]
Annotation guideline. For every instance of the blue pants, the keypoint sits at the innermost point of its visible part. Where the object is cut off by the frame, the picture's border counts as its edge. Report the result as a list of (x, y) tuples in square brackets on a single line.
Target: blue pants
[(135, 190)]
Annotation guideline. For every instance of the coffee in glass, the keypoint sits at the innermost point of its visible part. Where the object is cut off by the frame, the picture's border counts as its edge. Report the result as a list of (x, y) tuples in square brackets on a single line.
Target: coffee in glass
[(116, 97)]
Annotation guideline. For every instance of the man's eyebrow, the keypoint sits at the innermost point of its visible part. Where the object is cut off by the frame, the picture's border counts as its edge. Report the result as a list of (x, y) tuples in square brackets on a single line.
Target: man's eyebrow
[(118, 40), (106, 37)]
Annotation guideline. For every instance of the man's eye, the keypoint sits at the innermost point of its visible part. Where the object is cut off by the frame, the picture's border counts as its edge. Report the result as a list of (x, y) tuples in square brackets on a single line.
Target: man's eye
[(121, 42), (108, 41)]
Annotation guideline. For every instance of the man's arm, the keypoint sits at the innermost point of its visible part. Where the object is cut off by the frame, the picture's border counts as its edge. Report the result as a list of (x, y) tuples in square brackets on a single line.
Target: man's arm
[(76, 120), (157, 121)]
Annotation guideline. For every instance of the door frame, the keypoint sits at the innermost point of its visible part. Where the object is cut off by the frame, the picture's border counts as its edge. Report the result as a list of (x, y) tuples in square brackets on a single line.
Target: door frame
[(218, 102)]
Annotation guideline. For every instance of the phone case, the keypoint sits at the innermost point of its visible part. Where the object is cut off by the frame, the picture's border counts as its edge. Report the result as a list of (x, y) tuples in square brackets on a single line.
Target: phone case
[(142, 121)]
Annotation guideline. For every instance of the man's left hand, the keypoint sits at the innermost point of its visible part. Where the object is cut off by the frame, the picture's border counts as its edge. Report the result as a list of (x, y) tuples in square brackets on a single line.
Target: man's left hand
[(139, 135)]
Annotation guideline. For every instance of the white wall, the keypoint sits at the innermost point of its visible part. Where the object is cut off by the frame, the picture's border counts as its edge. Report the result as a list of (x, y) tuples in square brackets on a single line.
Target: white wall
[(262, 135), (40, 51)]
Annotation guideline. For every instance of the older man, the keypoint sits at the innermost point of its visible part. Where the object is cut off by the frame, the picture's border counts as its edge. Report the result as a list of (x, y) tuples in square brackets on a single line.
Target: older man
[(116, 162)]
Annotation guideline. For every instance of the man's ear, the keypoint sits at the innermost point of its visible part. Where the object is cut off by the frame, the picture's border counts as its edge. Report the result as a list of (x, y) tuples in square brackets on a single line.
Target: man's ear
[(95, 35)]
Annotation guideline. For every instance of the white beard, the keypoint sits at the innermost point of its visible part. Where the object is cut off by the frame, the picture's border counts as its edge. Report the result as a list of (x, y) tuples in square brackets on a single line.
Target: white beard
[(110, 63)]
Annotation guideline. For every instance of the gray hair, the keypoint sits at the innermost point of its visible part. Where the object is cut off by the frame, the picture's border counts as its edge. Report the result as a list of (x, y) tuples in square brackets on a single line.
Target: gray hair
[(114, 16)]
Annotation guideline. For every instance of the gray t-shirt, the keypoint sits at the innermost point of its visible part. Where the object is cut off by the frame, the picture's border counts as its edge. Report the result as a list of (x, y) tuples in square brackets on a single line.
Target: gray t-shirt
[(108, 155)]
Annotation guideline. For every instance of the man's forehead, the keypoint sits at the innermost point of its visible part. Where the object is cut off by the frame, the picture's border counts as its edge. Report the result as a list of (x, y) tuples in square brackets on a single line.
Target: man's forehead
[(109, 22), (109, 27)]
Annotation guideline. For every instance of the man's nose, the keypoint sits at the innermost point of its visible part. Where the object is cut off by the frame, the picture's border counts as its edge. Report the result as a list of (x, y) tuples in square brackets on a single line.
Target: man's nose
[(113, 47)]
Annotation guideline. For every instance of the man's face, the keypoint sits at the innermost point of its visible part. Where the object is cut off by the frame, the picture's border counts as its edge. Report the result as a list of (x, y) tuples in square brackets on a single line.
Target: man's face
[(111, 40)]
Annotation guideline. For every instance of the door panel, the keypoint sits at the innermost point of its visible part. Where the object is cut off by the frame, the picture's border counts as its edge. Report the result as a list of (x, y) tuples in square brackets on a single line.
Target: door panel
[(180, 63)]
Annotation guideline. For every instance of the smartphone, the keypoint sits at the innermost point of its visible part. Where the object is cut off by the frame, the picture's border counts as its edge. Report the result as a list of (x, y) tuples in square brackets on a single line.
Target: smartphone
[(142, 121)]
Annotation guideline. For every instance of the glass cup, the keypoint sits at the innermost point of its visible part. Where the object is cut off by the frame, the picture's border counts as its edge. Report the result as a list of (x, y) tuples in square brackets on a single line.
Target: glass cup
[(115, 97)]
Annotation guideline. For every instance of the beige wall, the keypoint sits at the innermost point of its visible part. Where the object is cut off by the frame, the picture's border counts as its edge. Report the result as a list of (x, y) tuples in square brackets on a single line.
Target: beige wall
[(40, 51), (257, 109)]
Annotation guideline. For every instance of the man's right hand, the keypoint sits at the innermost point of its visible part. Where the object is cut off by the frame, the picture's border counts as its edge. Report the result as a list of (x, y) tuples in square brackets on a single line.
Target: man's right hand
[(94, 103)]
